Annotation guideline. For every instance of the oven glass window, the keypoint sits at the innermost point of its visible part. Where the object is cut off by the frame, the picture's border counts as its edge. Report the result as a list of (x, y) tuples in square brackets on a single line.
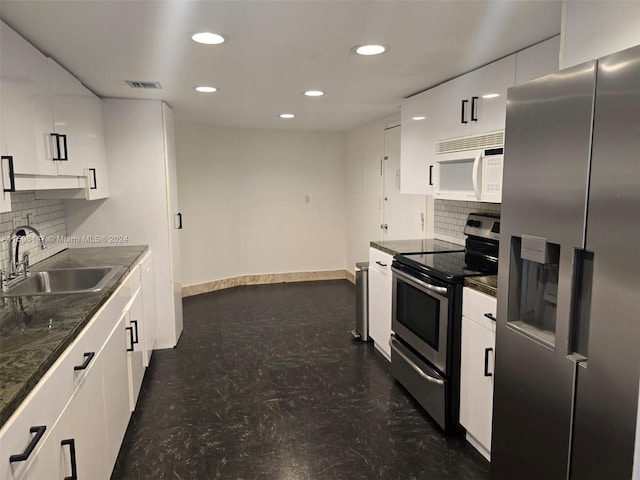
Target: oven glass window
[(419, 312)]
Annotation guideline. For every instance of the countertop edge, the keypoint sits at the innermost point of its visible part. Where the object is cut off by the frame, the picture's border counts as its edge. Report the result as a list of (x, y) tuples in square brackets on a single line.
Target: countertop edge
[(483, 285)]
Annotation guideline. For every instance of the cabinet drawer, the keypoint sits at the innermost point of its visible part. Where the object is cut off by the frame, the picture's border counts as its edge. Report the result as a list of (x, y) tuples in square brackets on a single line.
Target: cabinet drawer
[(476, 305), (380, 261)]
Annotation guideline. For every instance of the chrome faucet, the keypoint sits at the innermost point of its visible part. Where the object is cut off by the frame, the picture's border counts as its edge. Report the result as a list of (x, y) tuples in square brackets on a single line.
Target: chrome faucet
[(13, 261)]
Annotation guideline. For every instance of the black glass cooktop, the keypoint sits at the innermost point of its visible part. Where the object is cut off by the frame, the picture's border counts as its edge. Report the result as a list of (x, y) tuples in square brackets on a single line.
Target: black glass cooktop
[(451, 267)]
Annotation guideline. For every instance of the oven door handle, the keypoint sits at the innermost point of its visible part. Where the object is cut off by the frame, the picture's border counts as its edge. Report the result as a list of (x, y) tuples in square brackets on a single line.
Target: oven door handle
[(417, 369), (428, 286)]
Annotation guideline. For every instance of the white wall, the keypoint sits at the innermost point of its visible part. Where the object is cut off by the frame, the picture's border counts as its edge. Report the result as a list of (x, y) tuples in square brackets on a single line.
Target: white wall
[(259, 201), (592, 29)]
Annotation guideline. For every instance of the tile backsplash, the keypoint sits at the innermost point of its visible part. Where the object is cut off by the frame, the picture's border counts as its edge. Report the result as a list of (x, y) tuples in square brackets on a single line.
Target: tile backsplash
[(47, 216), (451, 215)]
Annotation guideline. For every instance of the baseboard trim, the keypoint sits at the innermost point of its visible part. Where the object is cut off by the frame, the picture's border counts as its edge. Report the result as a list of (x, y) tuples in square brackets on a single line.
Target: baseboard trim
[(262, 279)]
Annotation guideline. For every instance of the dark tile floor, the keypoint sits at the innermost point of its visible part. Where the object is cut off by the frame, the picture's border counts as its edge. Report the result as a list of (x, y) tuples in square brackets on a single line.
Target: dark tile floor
[(267, 384)]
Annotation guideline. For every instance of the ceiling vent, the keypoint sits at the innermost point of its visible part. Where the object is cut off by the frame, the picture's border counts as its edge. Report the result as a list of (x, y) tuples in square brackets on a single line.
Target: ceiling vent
[(141, 84)]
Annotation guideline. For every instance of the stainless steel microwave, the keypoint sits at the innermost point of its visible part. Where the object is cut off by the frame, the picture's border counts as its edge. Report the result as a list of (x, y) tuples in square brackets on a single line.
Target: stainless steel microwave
[(471, 175)]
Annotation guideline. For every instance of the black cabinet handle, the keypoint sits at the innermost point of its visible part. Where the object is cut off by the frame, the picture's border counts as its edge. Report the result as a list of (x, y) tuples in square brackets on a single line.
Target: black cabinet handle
[(463, 118), (64, 141), (179, 215), (430, 174), (486, 362), (474, 106), (380, 263), (88, 356), (131, 337), (39, 432), (72, 451), (490, 316), (95, 180), (12, 177), (135, 326), (59, 157)]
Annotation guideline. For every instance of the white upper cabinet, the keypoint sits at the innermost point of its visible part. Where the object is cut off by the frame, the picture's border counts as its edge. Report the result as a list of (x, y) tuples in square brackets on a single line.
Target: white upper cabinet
[(70, 102), (51, 125), (538, 60), (417, 138), (476, 102), (26, 106), (472, 104)]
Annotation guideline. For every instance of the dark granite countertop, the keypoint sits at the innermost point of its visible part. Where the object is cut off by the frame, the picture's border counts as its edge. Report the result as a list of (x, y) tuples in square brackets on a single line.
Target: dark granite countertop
[(487, 284), (35, 330), (422, 245)]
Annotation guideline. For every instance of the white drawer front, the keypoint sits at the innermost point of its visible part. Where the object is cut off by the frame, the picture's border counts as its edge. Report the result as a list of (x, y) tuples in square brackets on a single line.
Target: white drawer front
[(475, 306), (380, 261)]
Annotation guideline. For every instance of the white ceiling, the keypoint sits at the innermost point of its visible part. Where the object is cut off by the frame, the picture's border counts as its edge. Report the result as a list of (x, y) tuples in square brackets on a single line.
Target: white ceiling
[(277, 50)]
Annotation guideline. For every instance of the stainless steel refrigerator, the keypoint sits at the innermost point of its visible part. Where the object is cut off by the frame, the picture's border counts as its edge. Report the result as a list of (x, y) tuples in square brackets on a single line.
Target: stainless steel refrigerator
[(568, 329)]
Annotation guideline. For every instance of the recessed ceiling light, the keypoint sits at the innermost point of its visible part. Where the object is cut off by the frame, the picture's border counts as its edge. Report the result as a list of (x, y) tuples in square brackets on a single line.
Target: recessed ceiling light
[(369, 49), (287, 115), (419, 117), (208, 38), (491, 95), (314, 93), (204, 89)]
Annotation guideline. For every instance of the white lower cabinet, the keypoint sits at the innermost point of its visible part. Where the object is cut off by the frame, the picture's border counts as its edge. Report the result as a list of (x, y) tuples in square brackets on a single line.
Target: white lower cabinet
[(476, 368), (135, 349), (73, 422), (380, 301), (148, 307), (71, 447), (115, 375)]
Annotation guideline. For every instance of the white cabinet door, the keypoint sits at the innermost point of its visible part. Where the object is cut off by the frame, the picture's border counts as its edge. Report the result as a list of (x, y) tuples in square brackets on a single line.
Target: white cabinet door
[(7, 178), (477, 368), (69, 124), (464, 106), (418, 137), (380, 290), (148, 306), (81, 429), (115, 381), (136, 348), (77, 114), (454, 108), (26, 117), (490, 111), (97, 174)]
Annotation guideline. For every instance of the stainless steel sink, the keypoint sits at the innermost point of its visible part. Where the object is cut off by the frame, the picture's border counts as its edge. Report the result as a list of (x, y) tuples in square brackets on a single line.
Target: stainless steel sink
[(63, 280)]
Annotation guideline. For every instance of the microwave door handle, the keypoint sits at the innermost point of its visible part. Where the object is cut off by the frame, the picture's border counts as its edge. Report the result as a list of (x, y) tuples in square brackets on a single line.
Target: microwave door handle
[(475, 175)]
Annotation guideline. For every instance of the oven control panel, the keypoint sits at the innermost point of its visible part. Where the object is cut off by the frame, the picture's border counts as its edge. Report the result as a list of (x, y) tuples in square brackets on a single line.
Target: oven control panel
[(483, 226)]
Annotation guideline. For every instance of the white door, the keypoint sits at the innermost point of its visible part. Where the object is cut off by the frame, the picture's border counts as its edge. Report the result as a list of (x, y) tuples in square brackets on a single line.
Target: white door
[(175, 217), (403, 214)]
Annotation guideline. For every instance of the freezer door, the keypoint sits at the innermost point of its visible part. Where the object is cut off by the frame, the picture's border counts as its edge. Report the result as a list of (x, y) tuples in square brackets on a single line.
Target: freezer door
[(546, 171), (607, 387)]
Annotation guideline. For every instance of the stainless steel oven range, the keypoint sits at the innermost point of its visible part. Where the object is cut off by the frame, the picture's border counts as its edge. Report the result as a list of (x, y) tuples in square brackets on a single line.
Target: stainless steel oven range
[(427, 315)]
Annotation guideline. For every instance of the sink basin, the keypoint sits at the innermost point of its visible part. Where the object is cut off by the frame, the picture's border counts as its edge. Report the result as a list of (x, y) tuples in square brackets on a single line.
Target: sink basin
[(63, 280)]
